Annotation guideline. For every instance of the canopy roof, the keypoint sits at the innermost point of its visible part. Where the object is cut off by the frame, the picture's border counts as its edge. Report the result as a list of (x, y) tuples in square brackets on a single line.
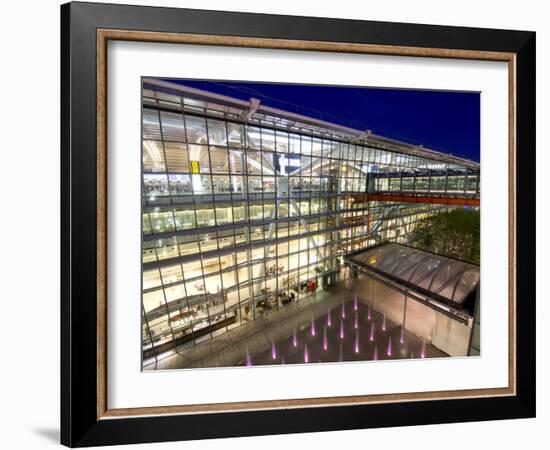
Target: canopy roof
[(438, 275)]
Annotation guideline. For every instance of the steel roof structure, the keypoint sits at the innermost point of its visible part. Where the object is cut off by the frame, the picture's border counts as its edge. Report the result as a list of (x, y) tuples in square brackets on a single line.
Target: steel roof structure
[(253, 110)]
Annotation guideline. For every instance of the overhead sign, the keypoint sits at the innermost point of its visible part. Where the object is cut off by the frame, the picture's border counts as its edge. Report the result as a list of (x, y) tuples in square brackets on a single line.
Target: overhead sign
[(195, 168)]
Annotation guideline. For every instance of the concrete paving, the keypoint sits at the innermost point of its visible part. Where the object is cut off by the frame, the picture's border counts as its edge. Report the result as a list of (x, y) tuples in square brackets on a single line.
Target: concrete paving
[(257, 338)]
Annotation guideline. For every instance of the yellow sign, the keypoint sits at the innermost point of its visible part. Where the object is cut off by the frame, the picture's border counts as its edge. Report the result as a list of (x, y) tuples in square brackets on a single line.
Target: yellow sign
[(195, 167)]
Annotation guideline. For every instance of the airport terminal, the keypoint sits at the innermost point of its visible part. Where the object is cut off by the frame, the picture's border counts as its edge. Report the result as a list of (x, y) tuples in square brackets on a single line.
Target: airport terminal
[(274, 237)]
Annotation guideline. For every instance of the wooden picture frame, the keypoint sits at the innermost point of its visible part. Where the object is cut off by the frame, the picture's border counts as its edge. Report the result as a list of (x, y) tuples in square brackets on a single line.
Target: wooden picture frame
[(86, 418)]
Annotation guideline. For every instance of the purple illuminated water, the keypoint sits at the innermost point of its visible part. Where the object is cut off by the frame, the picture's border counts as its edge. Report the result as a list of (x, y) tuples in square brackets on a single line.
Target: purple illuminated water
[(355, 303), (343, 310), (369, 315), (345, 340)]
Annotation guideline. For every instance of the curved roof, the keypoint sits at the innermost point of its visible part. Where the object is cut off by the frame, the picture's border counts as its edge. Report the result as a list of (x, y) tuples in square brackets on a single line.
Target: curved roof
[(439, 275)]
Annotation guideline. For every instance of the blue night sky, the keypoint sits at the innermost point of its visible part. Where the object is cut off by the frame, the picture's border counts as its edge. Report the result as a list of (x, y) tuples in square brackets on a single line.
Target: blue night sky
[(441, 120)]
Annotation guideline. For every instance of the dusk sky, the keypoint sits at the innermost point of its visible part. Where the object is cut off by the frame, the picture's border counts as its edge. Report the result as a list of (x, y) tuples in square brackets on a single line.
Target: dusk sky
[(445, 121)]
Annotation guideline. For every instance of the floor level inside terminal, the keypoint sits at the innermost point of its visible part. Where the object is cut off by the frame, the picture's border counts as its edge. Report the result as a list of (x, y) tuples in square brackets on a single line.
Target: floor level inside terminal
[(356, 320)]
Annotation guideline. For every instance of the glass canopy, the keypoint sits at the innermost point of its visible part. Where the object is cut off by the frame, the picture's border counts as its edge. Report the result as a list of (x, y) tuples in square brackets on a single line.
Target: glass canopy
[(446, 277)]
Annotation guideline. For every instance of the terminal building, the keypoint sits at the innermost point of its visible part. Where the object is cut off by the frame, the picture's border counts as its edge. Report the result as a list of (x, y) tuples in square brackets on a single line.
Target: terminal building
[(250, 210)]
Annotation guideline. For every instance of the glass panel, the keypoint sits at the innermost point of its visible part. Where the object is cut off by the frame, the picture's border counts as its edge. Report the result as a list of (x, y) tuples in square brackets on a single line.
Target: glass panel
[(153, 157), (196, 130), (156, 187), (216, 132), (219, 161), (151, 128), (221, 184), (172, 126), (176, 157), (235, 134), (180, 185), (185, 219)]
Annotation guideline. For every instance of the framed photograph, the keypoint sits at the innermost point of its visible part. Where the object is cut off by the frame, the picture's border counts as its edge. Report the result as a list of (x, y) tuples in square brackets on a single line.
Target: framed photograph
[(276, 224)]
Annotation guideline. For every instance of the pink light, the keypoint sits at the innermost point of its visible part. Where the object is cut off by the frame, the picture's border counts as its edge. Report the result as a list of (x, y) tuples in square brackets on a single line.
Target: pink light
[(341, 329), (355, 323), (402, 336), (384, 323), (295, 339), (388, 350), (355, 303), (312, 327), (423, 351), (369, 314), (273, 350), (248, 359), (325, 340), (356, 342), (306, 354), (343, 311), (371, 335), (329, 319), (375, 354)]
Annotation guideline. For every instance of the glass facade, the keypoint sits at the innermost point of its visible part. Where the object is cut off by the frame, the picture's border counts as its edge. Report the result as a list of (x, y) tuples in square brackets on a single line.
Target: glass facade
[(246, 213)]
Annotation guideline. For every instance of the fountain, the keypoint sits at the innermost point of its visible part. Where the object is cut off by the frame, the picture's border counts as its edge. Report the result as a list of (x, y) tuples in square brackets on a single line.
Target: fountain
[(343, 310), (371, 335), (356, 348), (273, 351), (388, 350), (355, 303), (325, 340), (369, 316), (306, 354), (384, 323), (423, 351), (248, 359), (355, 322), (312, 327), (402, 335), (329, 319), (295, 339), (341, 329)]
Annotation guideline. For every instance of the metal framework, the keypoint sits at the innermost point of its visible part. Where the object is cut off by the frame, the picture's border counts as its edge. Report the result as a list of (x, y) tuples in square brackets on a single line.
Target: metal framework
[(247, 208)]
